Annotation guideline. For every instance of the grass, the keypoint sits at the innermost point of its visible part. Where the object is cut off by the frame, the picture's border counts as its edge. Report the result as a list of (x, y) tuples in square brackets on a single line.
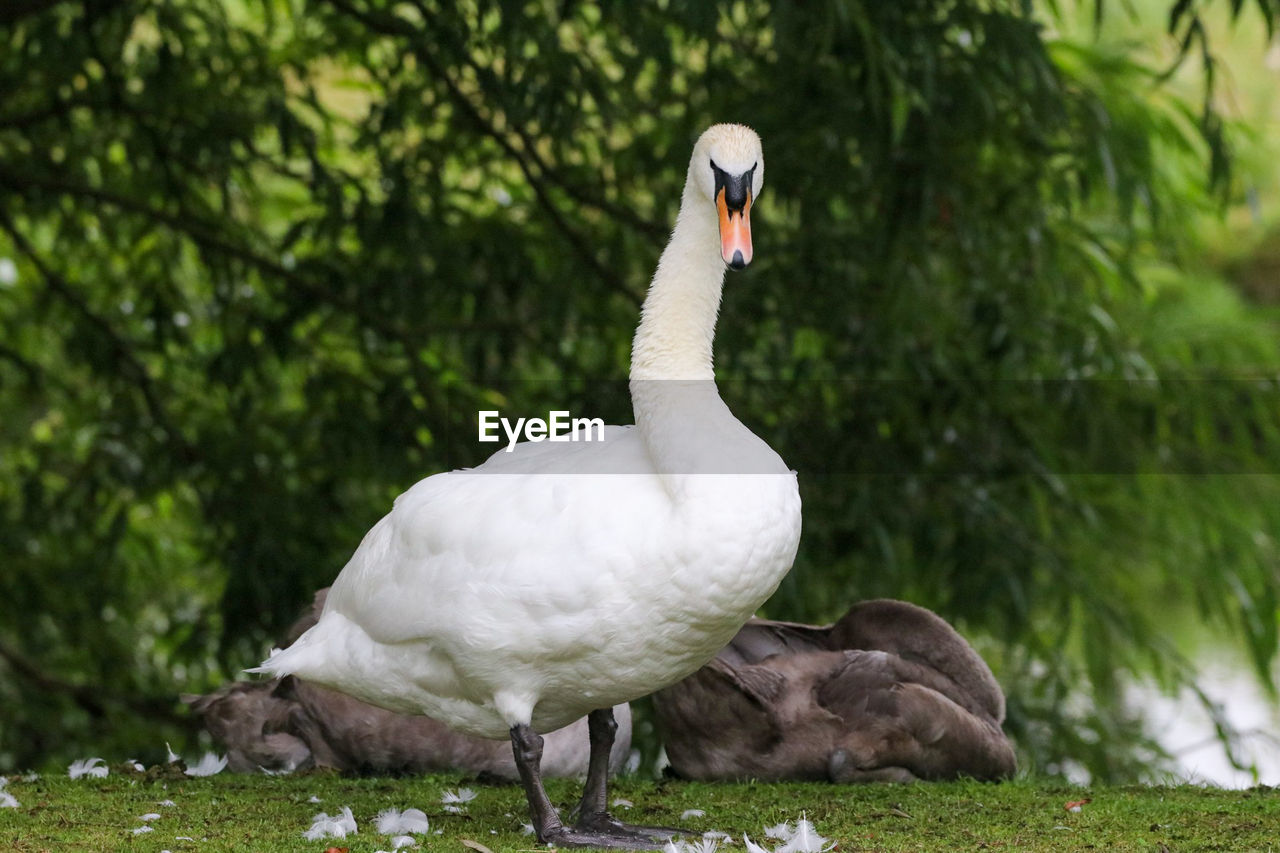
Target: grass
[(265, 814)]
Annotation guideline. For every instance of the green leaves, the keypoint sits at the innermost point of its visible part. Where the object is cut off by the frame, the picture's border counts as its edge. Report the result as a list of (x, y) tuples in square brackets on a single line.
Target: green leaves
[(271, 257)]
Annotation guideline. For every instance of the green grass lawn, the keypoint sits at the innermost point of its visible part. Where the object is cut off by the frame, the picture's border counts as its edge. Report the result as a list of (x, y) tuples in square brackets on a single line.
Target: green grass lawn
[(259, 813)]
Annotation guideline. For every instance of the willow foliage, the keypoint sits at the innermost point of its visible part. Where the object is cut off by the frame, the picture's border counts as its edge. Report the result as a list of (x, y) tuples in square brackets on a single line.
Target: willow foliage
[(271, 256)]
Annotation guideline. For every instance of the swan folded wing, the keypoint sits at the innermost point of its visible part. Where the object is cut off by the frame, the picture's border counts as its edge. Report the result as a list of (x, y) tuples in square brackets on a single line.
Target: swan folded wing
[(762, 638), (898, 717), (477, 556)]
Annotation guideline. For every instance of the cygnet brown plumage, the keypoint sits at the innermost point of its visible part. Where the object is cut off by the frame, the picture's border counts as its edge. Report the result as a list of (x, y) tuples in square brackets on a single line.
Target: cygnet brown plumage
[(890, 692), (286, 724)]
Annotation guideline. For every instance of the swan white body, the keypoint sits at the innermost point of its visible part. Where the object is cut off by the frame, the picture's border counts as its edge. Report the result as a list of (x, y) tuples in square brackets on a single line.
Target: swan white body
[(563, 578)]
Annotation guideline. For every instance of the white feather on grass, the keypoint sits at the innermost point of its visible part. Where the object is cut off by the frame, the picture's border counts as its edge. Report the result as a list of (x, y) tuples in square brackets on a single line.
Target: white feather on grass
[(396, 822), (702, 845), (136, 765), (752, 847), (167, 803), (403, 841), (142, 829), (781, 831), (337, 826), (9, 801), (688, 813), (806, 840), (208, 765), (149, 816), (95, 767), (455, 801), (170, 755)]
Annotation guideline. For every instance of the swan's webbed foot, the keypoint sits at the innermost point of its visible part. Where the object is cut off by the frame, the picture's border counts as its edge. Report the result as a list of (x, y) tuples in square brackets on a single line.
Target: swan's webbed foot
[(603, 822), (620, 838)]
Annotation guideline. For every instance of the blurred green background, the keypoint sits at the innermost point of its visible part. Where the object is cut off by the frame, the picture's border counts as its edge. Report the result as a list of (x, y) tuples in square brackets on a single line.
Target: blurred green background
[(1013, 317)]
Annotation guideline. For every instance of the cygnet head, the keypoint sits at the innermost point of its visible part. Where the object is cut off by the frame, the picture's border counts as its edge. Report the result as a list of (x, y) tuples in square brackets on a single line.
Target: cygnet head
[(728, 169)]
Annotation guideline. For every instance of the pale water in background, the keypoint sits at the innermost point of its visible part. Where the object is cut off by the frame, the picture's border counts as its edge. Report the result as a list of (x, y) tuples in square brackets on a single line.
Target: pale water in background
[(1186, 731)]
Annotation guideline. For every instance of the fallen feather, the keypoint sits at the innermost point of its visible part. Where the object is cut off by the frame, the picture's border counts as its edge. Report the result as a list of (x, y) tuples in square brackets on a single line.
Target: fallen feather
[(171, 757), (474, 845), (324, 826), (704, 845), (209, 765), (752, 847), (167, 803), (806, 840), (8, 801), (149, 816), (396, 822), (140, 830), (620, 803), (88, 767), (313, 799), (526, 828), (455, 801), (781, 831), (688, 813), (722, 837), (136, 765), (403, 841)]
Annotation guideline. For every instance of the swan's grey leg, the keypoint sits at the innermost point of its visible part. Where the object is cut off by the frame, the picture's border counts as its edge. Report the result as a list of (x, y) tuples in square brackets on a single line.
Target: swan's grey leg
[(593, 811), (601, 727), (527, 746)]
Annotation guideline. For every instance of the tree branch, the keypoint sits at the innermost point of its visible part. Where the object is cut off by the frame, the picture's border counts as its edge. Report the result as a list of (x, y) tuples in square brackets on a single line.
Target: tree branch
[(394, 26), (135, 370)]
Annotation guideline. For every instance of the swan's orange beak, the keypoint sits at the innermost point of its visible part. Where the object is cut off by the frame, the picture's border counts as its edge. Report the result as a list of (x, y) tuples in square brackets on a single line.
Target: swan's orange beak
[(735, 231)]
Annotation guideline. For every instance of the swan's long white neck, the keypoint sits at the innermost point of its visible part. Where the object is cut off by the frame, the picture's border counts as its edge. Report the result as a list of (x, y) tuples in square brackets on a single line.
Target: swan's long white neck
[(678, 321), (686, 427)]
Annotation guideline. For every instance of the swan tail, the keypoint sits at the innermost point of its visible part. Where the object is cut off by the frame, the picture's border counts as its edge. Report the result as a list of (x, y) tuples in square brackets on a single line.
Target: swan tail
[(305, 657)]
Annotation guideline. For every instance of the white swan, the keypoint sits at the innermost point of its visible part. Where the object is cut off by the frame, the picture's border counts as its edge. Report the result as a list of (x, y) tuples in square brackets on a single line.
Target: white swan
[(562, 579)]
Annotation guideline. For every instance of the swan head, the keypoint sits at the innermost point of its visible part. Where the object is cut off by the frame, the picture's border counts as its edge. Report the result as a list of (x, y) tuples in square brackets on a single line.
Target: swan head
[(728, 169)]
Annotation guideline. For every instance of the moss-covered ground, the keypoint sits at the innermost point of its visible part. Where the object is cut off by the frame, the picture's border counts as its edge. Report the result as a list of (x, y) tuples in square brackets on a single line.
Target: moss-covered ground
[(260, 813)]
